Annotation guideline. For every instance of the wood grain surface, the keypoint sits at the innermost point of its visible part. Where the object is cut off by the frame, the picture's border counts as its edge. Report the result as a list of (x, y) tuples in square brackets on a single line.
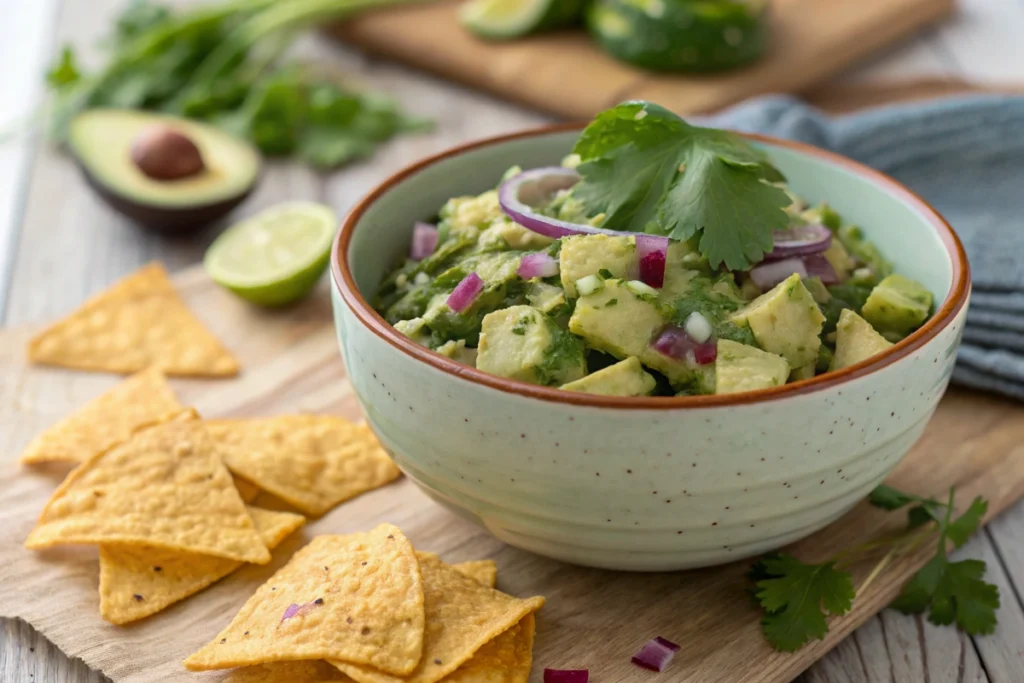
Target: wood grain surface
[(565, 73), (291, 365)]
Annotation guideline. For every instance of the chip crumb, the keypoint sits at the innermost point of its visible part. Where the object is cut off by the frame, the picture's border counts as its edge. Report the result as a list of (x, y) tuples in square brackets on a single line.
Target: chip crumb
[(138, 598)]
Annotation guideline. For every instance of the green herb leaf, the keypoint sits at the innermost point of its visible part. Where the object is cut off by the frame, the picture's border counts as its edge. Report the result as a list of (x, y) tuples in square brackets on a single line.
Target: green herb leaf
[(648, 170), (797, 598), (888, 498), (65, 72), (954, 592), (960, 529)]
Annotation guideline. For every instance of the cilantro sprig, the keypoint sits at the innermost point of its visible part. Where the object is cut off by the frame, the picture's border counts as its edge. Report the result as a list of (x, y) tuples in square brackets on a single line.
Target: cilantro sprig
[(797, 597), (225, 63), (648, 170)]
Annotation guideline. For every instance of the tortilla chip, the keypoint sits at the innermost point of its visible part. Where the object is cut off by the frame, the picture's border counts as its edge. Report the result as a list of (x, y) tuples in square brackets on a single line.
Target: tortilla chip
[(141, 400), (358, 598), (163, 487), (139, 580), (286, 672), (506, 659), (462, 616), (312, 462), (247, 490), (484, 571), (139, 321)]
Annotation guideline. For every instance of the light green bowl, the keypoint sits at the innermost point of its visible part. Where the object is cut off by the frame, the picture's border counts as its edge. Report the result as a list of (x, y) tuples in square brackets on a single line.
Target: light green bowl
[(644, 483)]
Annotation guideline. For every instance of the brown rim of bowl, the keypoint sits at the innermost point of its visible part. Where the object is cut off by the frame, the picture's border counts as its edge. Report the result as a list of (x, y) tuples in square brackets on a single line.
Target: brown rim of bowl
[(343, 280)]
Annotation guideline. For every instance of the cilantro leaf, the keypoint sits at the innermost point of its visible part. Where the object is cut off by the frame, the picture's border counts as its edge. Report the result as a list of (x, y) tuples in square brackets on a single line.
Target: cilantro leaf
[(888, 498), (952, 592), (797, 598), (648, 170), (961, 528)]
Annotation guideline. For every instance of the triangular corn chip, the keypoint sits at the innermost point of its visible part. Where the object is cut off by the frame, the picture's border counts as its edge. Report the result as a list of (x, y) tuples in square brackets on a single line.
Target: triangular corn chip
[(164, 487), (506, 659), (357, 597), (139, 580), (141, 400), (312, 462), (138, 322), (462, 617), (286, 672), (484, 571), (247, 490)]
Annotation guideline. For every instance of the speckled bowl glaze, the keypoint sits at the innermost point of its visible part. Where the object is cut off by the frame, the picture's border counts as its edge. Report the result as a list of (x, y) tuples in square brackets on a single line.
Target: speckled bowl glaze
[(650, 483)]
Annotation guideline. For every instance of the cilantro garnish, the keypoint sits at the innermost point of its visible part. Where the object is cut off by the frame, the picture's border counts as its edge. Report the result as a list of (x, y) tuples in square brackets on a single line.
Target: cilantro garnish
[(797, 598), (648, 170)]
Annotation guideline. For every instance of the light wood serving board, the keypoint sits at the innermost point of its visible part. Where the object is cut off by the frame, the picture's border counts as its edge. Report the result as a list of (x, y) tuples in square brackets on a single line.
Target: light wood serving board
[(593, 619), (565, 73)]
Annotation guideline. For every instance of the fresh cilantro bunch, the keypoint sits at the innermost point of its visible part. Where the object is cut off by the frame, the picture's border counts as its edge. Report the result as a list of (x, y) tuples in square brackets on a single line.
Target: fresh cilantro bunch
[(797, 598), (224, 64), (649, 170)]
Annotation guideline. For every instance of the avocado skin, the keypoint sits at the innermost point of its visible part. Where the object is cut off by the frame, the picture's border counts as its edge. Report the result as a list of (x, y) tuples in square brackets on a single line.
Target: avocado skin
[(169, 221)]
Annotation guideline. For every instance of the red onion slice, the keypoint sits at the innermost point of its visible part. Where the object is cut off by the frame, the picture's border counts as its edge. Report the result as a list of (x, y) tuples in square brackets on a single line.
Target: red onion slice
[(770, 273), (673, 342), (652, 254), (656, 654), (800, 240), (521, 194), (818, 266), (465, 293), (424, 240), (538, 264), (566, 675)]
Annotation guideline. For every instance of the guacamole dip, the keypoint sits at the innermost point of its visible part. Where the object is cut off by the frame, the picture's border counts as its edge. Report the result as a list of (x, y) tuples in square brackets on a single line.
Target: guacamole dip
[(659, 259)]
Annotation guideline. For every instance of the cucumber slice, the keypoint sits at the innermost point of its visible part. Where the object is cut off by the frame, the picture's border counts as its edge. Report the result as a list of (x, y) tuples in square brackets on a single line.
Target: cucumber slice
[(506, 19), (681, 35)]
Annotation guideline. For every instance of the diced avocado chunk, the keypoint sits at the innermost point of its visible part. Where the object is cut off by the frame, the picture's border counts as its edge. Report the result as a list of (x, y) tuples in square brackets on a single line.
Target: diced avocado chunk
[(744, 368), (519, 237), (856, 340), (625, 378), (897, 304), (785, 321), (858, 245), (823, 214), (415, 329), (522, 343), (478, 212), (615, 320), (547, 298), (585, 255), (839, 259), (806, 372), (456, 350)]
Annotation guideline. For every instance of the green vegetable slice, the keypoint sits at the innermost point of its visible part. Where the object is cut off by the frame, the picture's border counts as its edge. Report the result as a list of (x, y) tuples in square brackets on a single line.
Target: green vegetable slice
[(505, 19), (275, 257), (680, 35)]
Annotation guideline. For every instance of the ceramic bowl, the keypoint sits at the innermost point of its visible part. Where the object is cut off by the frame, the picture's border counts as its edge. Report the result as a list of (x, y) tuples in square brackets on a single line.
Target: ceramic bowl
[(644, 483)]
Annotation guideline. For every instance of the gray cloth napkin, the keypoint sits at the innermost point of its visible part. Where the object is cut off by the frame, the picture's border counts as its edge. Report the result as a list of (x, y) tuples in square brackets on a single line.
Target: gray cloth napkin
[(966, 157)]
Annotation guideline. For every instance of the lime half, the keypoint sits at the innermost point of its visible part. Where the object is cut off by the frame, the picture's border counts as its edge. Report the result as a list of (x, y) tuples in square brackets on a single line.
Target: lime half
[(504, 19), (276, 256)]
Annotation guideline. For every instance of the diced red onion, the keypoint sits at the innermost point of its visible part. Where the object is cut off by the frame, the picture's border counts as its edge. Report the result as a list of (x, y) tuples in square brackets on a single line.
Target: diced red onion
[(298, 610), (566, 675), (651, 255), (656, 654), (465, 293), (537, 264), (818, 266), (800, 240), (770, 273), (673, 342), (424, 240)]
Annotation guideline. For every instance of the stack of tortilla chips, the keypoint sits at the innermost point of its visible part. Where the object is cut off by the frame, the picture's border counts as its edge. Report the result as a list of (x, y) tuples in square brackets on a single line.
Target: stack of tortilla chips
[(153, 486), (376, 611)]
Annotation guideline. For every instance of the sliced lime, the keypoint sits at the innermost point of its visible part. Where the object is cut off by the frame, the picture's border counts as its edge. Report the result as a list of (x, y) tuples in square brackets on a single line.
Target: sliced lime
[(503, 19), (276, 256)]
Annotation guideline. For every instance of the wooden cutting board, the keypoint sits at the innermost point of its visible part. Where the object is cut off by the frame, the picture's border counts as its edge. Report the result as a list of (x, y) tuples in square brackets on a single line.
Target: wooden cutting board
[(564, 73), (593, 619)]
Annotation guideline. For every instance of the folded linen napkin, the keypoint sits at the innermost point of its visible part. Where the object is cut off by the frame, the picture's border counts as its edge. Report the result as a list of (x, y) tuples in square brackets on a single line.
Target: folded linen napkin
[(965, 156)]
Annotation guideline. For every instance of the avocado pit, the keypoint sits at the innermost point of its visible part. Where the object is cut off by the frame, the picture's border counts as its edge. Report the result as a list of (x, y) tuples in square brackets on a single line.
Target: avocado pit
[(163, 153)]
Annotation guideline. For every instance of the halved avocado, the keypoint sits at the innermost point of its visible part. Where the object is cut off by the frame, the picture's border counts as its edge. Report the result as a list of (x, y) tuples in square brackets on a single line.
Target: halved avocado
[(165, 173)]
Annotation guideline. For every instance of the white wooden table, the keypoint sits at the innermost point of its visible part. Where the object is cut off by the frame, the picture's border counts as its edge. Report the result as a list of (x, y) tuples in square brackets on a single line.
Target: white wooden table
[(59, 244)]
